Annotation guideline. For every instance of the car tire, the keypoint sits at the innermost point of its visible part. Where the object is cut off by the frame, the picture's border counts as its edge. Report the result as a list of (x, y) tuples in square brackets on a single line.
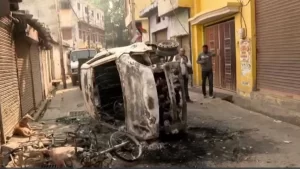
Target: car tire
[(167, 45), (166, 53)]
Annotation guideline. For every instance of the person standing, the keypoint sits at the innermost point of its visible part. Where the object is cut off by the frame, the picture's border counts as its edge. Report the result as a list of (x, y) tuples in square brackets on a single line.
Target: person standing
[(205, 60), (186, 69)]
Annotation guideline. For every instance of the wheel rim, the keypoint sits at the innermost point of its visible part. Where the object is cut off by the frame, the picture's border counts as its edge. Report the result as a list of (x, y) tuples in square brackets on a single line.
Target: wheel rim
[(131, 151)]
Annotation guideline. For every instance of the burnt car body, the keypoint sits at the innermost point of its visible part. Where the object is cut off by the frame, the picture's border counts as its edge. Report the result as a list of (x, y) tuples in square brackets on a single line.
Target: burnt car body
[(136, 87)]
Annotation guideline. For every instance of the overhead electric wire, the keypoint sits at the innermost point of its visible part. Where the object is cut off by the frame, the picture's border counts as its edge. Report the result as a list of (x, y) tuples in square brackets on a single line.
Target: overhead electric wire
[(177, 17), (242, 16)]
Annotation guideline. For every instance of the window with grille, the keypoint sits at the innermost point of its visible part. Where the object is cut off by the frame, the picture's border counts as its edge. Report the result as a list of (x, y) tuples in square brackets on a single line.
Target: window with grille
[(65, 5), (158, 19), (66, 33)]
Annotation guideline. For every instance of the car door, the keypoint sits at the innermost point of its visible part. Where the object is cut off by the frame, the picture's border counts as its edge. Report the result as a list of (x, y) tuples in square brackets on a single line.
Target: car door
[(140, 98)]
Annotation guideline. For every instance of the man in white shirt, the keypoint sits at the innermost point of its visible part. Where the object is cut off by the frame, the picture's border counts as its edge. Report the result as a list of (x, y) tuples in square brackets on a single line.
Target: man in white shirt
[(184, 64)]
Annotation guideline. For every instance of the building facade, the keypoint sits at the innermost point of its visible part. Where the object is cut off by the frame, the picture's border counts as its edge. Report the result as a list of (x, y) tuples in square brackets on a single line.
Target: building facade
[(82, 24), (169, 20), (56, 72), (158, 26), (21, 73), (9, 87), (142, 23), (178, 13), (228, 28)]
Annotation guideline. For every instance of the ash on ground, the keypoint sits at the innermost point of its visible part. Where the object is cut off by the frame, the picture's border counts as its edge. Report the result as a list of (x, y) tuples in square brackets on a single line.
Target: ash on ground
[(194, 148)]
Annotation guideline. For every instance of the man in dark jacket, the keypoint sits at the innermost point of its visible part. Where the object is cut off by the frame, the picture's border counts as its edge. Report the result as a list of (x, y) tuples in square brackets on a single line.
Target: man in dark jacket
[(205, 60)]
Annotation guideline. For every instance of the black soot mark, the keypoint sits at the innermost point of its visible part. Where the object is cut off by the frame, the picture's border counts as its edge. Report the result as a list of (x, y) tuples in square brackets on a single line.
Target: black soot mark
[(150, 103)]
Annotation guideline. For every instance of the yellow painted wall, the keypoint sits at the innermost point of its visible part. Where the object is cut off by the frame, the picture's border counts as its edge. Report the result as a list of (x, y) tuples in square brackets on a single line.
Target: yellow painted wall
[(165, 6), (245, 83), (139, 6)]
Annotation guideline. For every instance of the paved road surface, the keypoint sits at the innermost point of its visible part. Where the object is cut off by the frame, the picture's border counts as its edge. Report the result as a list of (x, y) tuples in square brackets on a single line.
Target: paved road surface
[(222, 135)]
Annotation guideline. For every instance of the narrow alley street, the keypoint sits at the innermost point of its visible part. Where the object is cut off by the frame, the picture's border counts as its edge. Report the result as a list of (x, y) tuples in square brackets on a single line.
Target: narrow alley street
[(220, 134), (159, 83)]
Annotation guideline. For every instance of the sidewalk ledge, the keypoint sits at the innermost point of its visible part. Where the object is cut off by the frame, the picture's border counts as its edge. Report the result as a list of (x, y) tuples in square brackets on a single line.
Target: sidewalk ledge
[(286, 110)]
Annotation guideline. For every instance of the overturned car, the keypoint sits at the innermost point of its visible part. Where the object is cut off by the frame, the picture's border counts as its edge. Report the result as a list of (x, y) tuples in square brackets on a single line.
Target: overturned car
[(138, 86)]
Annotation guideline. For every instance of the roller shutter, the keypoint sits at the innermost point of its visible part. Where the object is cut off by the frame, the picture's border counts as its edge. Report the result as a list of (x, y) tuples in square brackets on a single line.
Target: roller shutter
[(161, 35), (278, 44), (36, 74), (25, 76), (9, 90)]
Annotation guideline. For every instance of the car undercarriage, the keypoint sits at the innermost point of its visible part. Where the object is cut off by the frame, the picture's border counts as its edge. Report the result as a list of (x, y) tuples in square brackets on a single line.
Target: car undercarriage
[(140, 90)]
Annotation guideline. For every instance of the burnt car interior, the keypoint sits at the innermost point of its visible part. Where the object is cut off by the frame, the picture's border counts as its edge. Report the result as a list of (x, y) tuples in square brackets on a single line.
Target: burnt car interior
[(108, 85), (109, 90)]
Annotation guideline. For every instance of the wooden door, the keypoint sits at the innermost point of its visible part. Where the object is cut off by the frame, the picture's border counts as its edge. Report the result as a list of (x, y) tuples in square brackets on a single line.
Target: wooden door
[(227, 55), (212, 40), (221, 37)]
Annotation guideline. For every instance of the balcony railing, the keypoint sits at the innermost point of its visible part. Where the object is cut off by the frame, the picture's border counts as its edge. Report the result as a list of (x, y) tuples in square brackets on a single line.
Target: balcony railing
[(92, 22)]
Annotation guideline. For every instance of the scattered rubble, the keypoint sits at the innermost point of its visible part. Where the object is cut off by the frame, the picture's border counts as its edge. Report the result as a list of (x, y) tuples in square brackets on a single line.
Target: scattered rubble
[(79, 148), (90, 143)]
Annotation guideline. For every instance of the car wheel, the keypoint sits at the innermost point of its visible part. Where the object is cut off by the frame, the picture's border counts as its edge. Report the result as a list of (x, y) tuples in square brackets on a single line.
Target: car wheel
[(166, 53), (168, 45)]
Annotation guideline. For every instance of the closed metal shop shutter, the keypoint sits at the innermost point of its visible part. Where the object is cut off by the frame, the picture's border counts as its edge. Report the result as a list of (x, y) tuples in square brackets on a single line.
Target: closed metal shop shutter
[(25, 78), (36, 74), (9, 90), (278, 45), (161, 35)]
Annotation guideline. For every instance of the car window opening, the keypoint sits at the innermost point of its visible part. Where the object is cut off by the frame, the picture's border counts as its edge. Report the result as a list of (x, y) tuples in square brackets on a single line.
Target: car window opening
[(110, 95), (143, 59)]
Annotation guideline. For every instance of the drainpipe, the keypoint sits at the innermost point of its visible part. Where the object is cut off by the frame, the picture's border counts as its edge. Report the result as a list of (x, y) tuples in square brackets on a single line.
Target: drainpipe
[(190, 42), (150, 40), (255, 87)]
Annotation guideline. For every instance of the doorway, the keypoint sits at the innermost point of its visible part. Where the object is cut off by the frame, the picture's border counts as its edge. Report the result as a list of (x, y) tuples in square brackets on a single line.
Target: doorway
[(221, 38)]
